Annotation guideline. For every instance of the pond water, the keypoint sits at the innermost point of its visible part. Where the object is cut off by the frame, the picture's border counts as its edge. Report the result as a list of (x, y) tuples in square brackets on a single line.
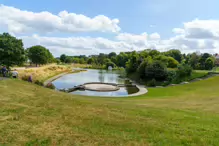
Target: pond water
[(91, 75)]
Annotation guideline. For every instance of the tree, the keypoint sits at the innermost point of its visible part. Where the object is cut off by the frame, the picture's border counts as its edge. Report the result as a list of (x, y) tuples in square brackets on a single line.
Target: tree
[(112, 54), (156, 70), (39, 55), (101, 58), (11, 50), (63, 58), (133, 62), (194, 61), (154, 53), (110, 64), (184, 71), (90, 61), (142, 66), (172, 63), (176, 54), (68, 59), (203, 59), (209, 63), (121, 59)]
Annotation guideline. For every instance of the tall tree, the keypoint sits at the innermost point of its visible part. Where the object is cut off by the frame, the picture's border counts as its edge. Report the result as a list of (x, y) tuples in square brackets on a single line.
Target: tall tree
[(11, 50), (112, 54), (176, 54), (63, 58), (39, 55)]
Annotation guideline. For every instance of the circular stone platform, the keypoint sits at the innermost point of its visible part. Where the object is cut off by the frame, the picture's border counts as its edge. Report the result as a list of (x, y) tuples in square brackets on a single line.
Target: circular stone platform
[(102, 87)]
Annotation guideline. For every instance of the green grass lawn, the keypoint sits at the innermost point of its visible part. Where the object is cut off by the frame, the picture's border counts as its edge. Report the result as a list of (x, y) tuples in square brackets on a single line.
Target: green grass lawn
[(173, 116)]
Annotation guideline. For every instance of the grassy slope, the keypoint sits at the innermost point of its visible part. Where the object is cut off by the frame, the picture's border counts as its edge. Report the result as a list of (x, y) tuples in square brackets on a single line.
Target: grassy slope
[(179, 115)]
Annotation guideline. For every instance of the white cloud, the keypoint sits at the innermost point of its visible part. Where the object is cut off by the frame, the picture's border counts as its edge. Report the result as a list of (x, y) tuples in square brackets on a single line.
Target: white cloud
[(200, 29), (196, 35), (155, 36), (20, 21), (178, 30)]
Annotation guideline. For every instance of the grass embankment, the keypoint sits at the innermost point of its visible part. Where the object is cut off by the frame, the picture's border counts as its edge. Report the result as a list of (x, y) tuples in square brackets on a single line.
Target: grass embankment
[(178, 115), (41, 74)]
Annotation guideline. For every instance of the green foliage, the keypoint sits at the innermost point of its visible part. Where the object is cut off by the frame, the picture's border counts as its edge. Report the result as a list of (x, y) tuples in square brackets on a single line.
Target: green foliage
[(11, 50), (209, 63), (39, 55), (156, 70), (110, 64), (184, 71), (112, 54), (142, 66), (63, 58), (171, 75), (133, 62), (176, 54), (90, 61), (58, 61), (151, 83), (172, 63)]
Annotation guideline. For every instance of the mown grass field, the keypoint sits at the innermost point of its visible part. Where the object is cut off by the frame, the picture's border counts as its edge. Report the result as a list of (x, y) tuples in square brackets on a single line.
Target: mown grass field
[(172, 116)]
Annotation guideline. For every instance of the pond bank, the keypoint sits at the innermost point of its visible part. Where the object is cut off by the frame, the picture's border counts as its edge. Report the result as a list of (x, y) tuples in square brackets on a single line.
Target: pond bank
[(60, 75)]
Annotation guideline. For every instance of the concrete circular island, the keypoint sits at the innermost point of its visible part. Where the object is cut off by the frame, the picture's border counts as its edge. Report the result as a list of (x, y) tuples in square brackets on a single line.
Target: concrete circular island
[(103, 87)]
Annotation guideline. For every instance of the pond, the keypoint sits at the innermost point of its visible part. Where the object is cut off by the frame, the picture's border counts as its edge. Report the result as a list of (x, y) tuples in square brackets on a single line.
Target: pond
[(92, 75)]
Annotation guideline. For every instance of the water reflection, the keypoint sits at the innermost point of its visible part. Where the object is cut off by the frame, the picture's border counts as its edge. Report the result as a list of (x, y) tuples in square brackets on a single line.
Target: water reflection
[(71, 80)]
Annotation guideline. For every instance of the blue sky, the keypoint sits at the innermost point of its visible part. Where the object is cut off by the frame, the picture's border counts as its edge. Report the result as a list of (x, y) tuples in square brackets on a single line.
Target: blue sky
[(135, 16)]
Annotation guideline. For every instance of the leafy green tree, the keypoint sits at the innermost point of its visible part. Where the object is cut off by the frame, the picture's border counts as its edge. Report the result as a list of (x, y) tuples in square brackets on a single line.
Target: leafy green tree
[(133, 62), (162, 58), (176, 54), (172, 63), (194, 60), (184, 71), (82, 61), (209, 63), (90, 61), (156, 70), (11, 50), (142, 66), (63, 58), (112, 54), (154, 53), (113, 65), (101, 58), (39, 55), (121, 59), (68, 59)]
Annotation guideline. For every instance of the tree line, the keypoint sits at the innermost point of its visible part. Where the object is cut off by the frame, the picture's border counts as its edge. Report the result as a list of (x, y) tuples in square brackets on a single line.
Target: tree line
[(147, 65), (12, 52)]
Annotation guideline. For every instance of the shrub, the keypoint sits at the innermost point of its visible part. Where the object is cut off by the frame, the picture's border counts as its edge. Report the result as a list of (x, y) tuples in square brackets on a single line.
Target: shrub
[(110, 64), (184, 71), (171, 75), (172, 63), (50, 86), (151, 83), (39, 82), (156, 70)]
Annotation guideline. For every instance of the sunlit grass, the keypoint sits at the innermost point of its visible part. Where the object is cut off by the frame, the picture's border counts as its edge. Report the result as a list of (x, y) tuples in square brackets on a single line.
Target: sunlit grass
[(178, 115)]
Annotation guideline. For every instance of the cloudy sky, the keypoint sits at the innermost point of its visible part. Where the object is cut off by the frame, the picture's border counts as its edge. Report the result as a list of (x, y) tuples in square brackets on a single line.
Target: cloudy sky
[(89, 27)]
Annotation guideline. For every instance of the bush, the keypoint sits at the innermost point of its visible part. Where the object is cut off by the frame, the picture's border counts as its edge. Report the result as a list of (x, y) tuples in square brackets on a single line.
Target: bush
[(151, 83), (172, 63), (50, 86), (156, 70), (184, 71), (171, 75), (110, 64), (39, 82)]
